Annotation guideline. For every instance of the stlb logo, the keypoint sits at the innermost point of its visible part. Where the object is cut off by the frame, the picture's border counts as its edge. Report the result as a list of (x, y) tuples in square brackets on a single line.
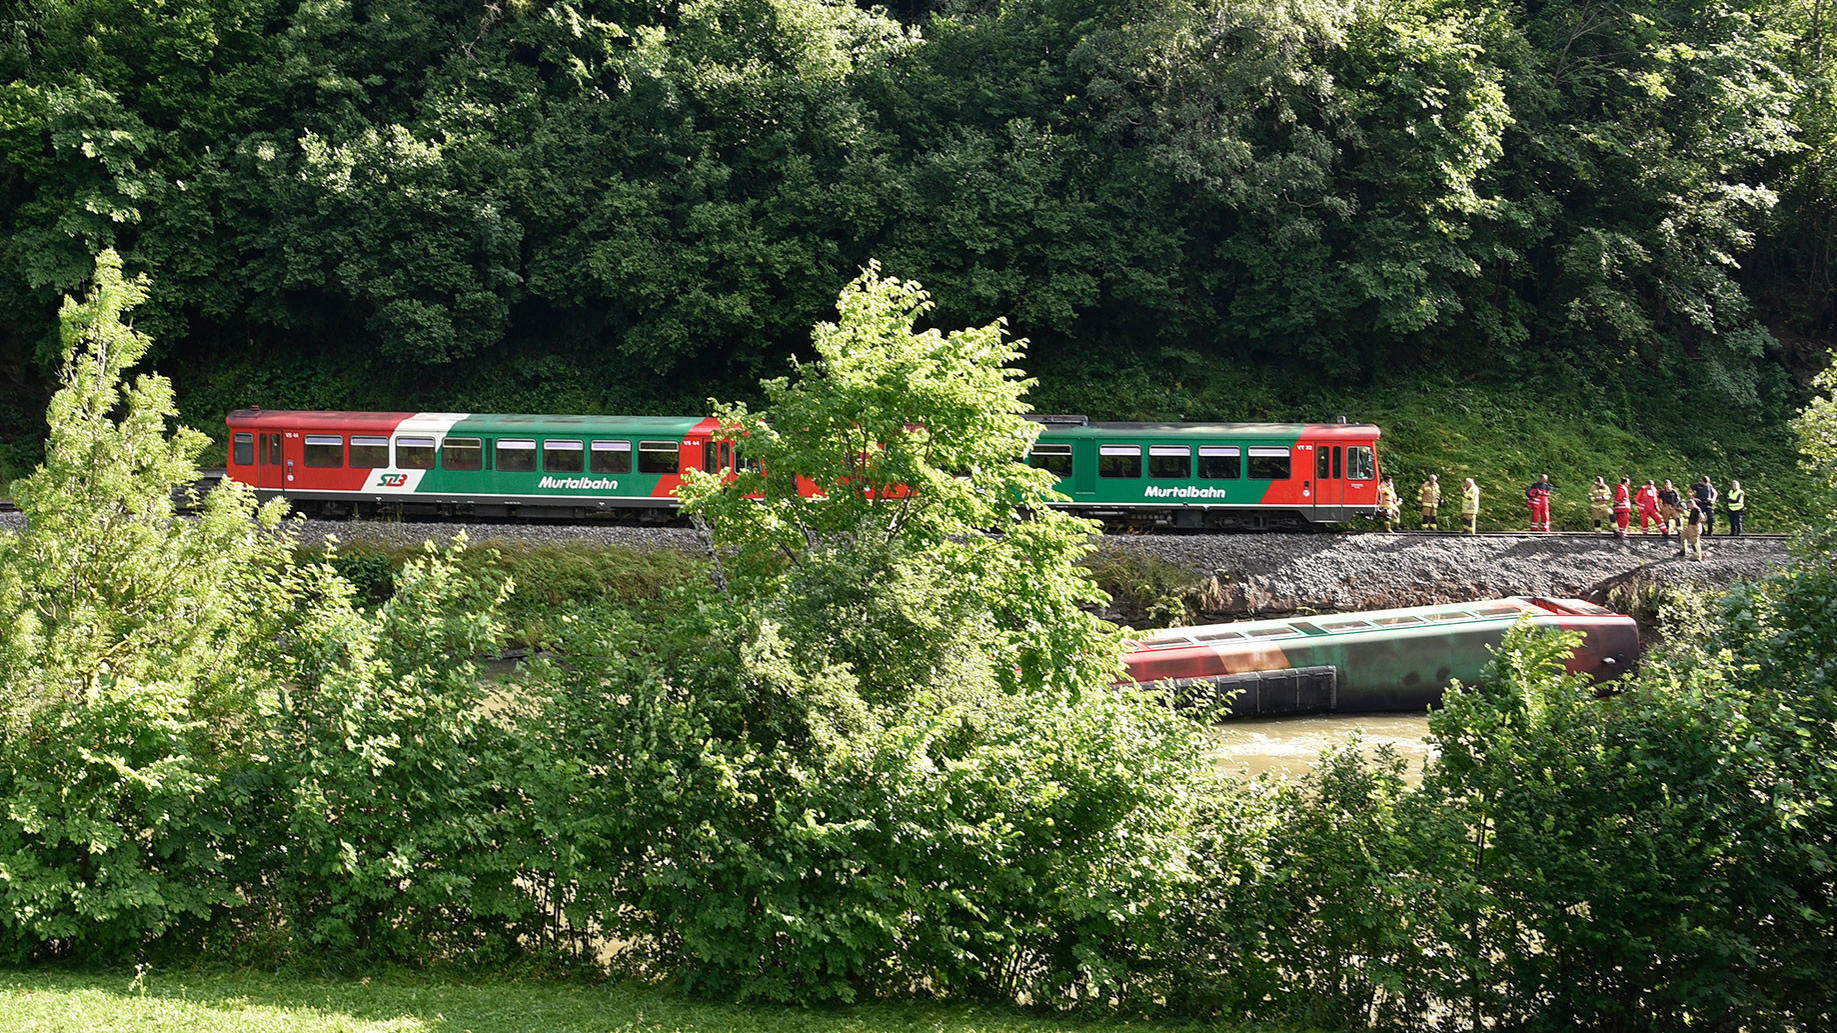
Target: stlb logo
[(391, 480)]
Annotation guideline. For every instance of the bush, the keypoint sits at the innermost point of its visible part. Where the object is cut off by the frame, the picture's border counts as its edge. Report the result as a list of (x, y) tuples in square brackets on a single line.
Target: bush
[(880, 752), (132, 660)]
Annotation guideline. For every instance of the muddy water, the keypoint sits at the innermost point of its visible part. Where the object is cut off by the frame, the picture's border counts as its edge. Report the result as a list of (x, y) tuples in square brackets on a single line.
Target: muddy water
[(1292, 745)]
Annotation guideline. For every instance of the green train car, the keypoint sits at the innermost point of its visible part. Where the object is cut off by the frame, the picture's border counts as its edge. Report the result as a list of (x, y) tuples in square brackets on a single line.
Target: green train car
[(1212, 475)]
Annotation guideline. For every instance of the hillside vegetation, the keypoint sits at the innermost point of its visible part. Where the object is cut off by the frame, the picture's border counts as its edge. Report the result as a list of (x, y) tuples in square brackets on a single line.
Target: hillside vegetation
[(1596, 214), (872, 755)]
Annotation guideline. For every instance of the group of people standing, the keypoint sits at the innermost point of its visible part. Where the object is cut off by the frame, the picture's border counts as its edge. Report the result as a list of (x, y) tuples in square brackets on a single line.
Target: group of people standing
[(1429, 496), (1691, 514)]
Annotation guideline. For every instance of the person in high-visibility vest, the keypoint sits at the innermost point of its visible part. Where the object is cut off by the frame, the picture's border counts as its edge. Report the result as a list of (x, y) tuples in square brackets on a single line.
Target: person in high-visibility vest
[(1738, 506), (1387, 503), (1429, 496), (1600, 501), (1470, 505)]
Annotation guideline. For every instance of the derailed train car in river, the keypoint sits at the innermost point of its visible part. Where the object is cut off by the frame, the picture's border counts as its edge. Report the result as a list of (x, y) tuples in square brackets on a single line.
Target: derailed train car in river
[(1374, 662)]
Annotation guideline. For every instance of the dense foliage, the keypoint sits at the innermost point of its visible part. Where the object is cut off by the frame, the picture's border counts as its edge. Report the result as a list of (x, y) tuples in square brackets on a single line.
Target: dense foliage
[(875, 754), (579, 205)]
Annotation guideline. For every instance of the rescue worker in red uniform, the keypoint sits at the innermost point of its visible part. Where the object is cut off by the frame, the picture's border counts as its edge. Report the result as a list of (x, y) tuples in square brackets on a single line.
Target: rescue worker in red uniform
[(1537, 498), (1648, 508), (1623, 507)]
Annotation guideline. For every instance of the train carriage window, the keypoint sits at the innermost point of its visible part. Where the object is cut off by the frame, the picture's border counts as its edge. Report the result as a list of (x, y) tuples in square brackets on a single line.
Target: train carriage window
[(1323, 463), (516, 455), (1336, 461), (1119, 461), (264, 450), (1270, 632), (562, 456), (242, 451), (658, 456), (611, 457), (1054, 459), (274, 449), (1393, 621), (462, 454), (1220, 462), (324, 450), (414, 453), (1269, 464), (1359, 464), (369, 453), (1170, 462)]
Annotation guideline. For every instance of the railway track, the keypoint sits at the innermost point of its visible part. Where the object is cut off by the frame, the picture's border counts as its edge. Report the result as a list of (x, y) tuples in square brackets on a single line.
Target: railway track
[(1575, 535), (8, 506)]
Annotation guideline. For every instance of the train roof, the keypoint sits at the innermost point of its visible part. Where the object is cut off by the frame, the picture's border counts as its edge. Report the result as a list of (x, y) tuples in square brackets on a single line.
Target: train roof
[(465, 423), (1059, 426), (1507, 609)]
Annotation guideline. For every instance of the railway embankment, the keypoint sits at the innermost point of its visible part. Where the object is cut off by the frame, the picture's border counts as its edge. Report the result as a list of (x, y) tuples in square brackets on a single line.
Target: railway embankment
[(1247, 575)]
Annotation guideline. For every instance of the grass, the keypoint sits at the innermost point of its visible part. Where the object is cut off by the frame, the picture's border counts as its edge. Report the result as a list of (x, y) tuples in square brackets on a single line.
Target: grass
[(38, 1001), (549, 578)]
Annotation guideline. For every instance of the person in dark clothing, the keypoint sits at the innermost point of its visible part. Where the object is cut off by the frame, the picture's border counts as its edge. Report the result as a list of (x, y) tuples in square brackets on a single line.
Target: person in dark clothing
[(1671, 507), (1704, 495), (1690, 533)]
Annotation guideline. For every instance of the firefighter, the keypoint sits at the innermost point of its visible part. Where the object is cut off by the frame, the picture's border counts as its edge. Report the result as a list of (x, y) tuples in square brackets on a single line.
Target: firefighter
[(1648, 508), (1600, 502), (1738, 507), (1623, 506), (1429, 496), (1537, 499), (1387, 503), (1670, 507), (1470, 505), (1690, 532)]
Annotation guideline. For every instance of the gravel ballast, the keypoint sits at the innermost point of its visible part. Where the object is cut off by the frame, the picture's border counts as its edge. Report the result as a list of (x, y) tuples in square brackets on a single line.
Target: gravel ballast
[(1282, 573)]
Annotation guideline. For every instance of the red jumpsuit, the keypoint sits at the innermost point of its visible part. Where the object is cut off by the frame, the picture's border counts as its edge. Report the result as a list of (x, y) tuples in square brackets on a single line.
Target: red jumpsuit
[(1537, 496), (1623, 510), (1648, 508)]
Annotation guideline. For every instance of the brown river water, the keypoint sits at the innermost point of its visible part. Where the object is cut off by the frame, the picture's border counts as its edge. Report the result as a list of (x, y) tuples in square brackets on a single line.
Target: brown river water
[(1292, 745)]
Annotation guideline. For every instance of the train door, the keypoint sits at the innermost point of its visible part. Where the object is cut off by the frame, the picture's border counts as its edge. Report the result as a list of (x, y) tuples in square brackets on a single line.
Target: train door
[(1084, 469), (269, 465), (1329, 479)]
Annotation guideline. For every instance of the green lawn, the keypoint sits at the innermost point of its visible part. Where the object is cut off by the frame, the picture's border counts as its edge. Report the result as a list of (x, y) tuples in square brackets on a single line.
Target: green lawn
[(40, 1002)]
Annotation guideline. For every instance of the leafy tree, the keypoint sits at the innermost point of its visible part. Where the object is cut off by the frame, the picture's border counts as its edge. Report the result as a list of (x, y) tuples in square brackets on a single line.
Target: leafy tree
[(881, 752), (132, 655)]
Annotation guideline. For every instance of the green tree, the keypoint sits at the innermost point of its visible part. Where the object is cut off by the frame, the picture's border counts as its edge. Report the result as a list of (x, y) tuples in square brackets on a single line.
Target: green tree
[(881, 750), (133, 651)]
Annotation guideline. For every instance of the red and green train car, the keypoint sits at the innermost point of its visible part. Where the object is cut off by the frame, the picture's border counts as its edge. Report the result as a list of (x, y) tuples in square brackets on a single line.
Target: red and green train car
[(1212, 475), (1381, 661), (1185, 475), (462, 464)]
